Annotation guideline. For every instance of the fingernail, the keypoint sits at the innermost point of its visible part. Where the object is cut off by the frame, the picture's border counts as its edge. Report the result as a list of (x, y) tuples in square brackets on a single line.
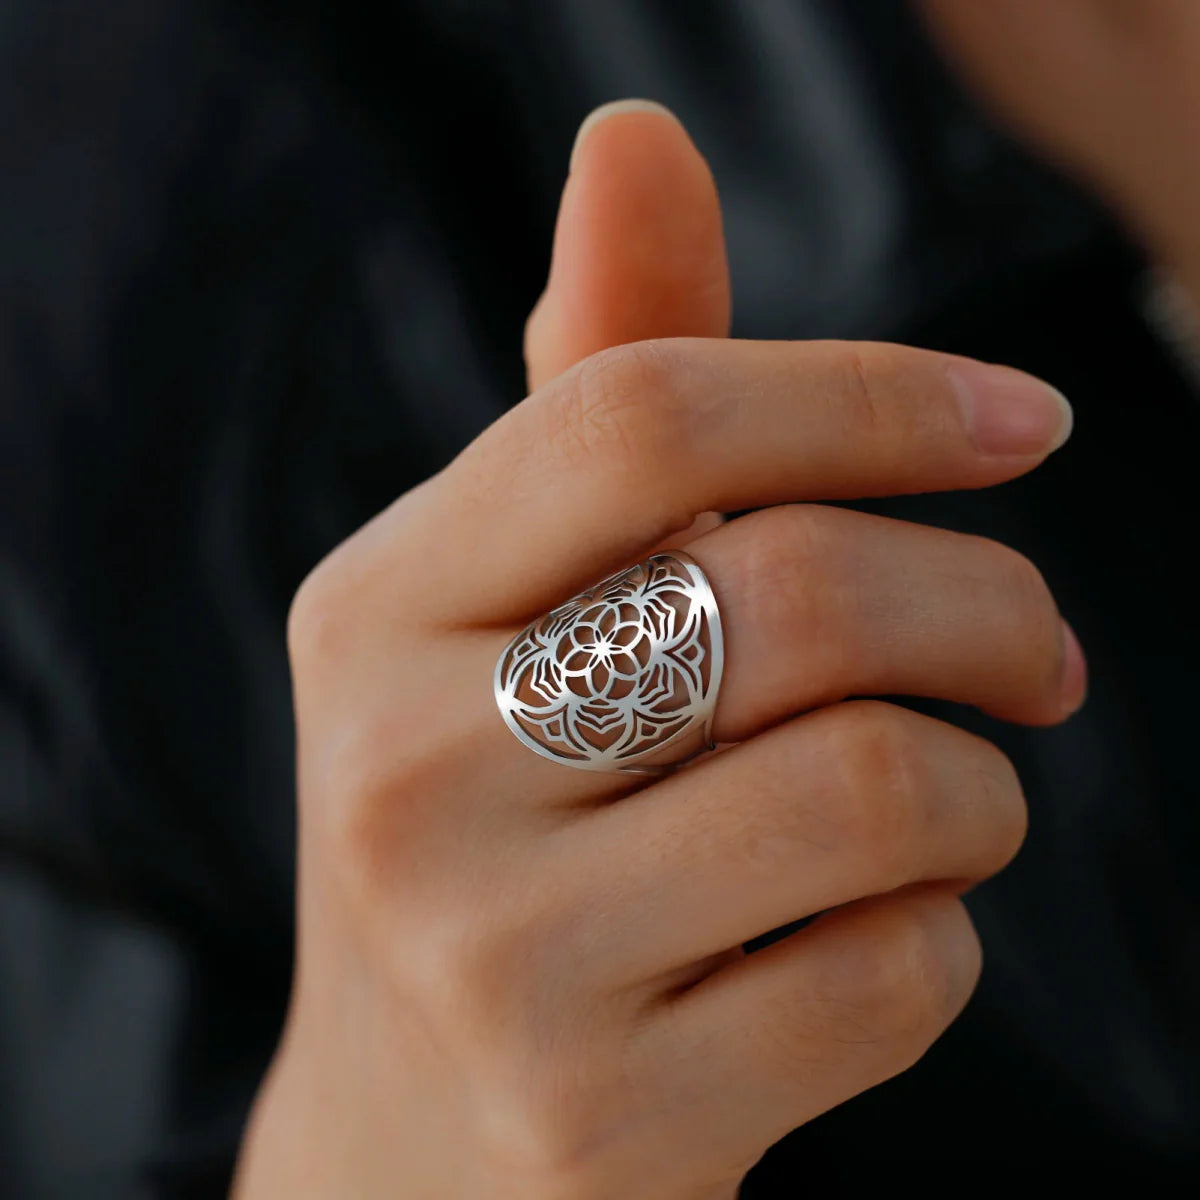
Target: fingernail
[(1007, 412), (1075, 672), (612, 109)]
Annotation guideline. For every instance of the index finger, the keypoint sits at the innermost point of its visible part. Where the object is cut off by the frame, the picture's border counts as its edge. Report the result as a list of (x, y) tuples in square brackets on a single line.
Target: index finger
[(625, 449)]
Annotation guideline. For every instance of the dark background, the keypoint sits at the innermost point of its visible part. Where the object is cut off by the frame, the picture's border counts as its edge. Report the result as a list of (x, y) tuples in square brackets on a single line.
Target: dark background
[(265, 266)]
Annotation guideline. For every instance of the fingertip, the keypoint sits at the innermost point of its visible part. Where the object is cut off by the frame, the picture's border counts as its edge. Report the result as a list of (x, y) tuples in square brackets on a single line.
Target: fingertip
[(615, 108), (1008, 413), (1074, 684), (1062, 695), (639, 250)]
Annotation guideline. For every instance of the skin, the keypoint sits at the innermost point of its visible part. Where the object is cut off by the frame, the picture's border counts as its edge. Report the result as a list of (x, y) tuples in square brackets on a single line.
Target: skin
[(519, 980)]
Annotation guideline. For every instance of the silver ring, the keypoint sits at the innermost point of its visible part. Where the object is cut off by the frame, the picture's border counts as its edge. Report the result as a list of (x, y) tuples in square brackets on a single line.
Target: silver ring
[(625, 676)]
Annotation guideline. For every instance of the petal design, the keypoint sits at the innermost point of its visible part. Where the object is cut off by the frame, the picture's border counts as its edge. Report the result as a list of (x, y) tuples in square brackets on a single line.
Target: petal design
[(627, 633), (579, 662), (624, 664), (601, 679), (583, 636)]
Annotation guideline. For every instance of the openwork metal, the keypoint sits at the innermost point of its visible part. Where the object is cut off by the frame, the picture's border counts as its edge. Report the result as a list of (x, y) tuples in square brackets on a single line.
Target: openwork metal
[(624, 677)]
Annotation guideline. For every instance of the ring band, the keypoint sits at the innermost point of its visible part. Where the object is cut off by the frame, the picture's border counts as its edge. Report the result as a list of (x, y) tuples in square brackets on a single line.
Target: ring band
[(625, 676)]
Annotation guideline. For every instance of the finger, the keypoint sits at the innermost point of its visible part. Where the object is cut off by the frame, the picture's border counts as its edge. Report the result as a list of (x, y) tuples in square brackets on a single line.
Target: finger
[(638, 249), (820, 603), (628, 448), (854, 800), (778, 1037)]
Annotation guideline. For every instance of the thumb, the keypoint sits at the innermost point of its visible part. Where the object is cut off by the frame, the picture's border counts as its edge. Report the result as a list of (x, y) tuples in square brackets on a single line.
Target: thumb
[(638, 248)]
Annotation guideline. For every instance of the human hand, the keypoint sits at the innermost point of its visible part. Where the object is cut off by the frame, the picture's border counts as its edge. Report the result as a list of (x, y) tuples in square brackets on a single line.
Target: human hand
[(1109, 89), (518, 980)]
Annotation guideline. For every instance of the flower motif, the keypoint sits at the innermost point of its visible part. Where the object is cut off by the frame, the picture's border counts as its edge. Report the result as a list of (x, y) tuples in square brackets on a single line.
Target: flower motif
[(604, 646)]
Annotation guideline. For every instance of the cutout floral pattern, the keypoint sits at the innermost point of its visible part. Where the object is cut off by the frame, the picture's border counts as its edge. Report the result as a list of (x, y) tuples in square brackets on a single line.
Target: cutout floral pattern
[(620, 671)]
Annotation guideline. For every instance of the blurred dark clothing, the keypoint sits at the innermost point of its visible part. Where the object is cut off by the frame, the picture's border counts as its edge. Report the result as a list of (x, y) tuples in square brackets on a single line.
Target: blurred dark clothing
[(264, 267)]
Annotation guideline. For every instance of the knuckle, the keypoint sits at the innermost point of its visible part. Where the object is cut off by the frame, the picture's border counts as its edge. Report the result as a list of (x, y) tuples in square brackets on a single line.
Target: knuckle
[(464, 959), (885, 781), (372, 808), (782, 551), (494, 958), (544, 1126), (1035, 616), (1025, 580), (355, 777), (314, 616), (326, 611), (544, 1155), (1004, 800), (361, 820), (790, 534), (471, 970), (622, 406), (908, 988)]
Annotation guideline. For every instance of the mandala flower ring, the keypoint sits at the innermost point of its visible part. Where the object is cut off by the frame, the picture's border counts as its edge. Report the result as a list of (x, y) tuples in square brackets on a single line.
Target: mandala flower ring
[(624, 677)]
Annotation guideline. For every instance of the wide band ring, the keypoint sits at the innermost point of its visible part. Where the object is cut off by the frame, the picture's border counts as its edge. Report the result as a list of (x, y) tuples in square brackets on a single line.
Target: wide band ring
[(625, 676)]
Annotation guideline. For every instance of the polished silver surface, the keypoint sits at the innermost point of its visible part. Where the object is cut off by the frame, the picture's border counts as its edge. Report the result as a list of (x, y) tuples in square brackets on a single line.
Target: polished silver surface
[(625, 676)]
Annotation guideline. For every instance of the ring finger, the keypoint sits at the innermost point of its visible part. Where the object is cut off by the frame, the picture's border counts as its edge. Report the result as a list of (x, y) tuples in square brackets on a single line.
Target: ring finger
[(821, 603)]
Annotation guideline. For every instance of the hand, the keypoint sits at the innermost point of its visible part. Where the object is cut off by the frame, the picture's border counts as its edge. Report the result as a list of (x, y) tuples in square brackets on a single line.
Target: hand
[(1108, 88), (519, 980)]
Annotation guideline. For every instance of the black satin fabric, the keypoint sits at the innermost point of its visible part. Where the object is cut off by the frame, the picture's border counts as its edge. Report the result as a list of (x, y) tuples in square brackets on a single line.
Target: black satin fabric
[(265, 266)]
